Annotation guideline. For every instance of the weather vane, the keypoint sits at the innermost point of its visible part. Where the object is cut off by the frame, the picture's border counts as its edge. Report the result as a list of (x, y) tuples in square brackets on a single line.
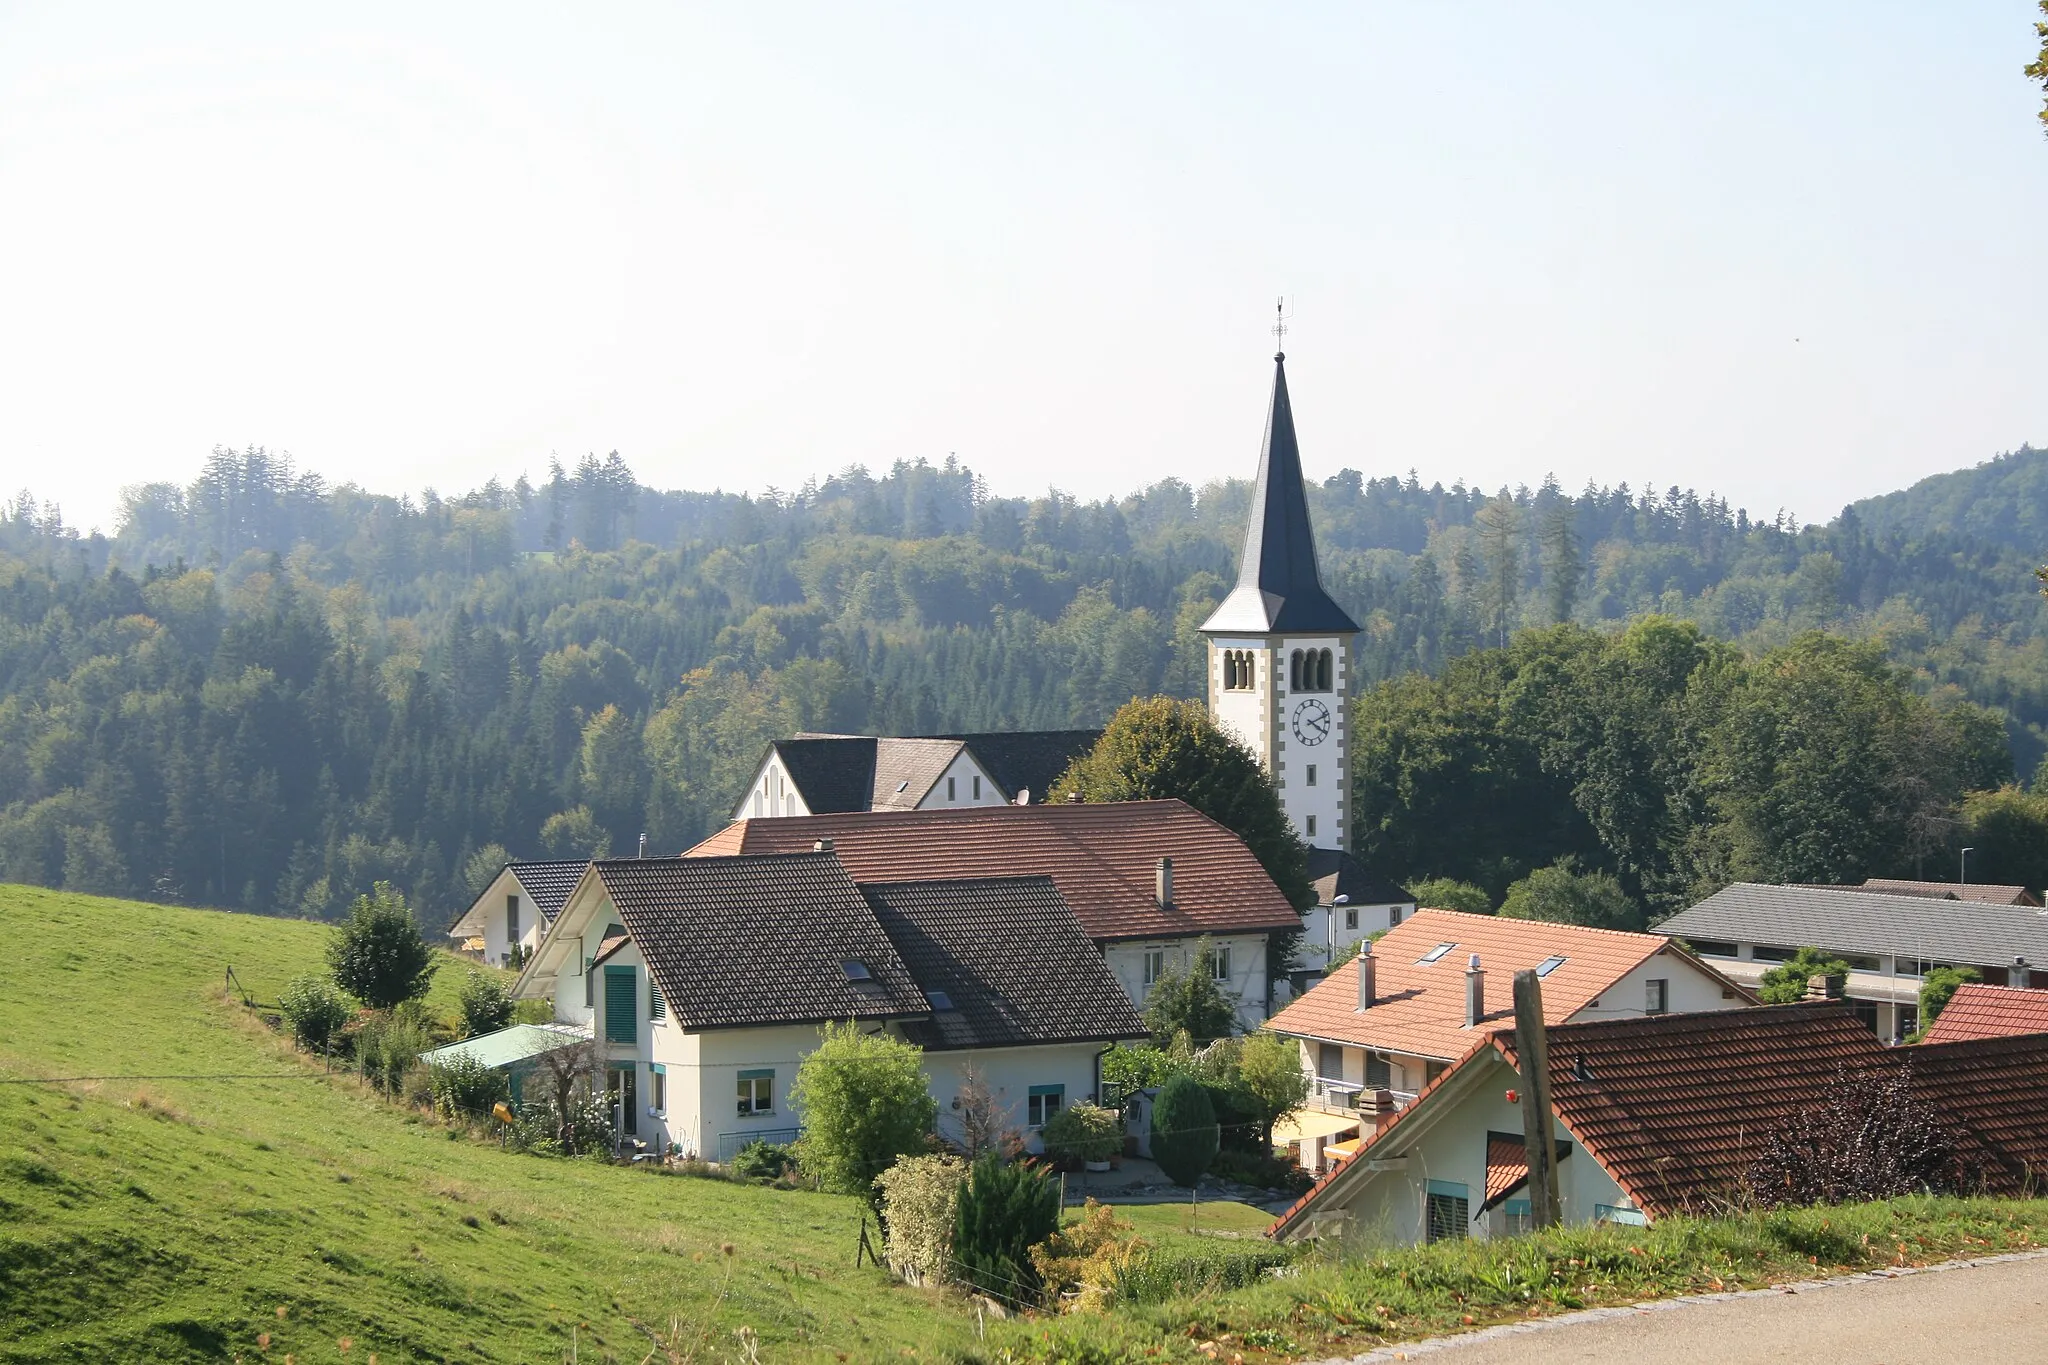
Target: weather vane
[(1280, 316)]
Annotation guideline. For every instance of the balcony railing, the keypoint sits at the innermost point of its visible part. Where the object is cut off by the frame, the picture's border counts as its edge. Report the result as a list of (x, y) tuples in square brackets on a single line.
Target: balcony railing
[(729, 1144)]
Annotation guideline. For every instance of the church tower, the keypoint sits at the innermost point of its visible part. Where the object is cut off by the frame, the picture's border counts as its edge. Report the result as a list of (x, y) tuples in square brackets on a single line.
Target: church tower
[(1280, 648)]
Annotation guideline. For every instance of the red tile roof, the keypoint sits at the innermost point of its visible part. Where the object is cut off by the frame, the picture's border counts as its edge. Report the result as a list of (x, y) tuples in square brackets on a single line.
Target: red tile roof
[(1507, 1165), (1980, 1011), (1996, 1090), (1101, 857), (1420, 1007)]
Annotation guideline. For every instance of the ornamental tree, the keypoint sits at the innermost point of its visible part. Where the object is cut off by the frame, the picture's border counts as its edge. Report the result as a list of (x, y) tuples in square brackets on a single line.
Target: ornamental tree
[(377, 954), (865, 1103)]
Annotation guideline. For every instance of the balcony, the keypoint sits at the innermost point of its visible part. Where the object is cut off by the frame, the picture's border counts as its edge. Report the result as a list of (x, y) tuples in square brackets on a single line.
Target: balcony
[(729, 1144), (1332, 1096)]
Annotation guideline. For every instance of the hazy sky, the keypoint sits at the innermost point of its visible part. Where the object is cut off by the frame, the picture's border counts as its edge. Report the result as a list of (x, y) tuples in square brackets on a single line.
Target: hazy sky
[(1795, 253)]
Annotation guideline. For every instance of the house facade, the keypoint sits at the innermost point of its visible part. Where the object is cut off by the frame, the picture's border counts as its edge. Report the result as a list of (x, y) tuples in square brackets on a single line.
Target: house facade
[(1889, 941), (1352, 904), (824, 774), (707, 980), (507, 921), (1390, 1021), (1150, 881)]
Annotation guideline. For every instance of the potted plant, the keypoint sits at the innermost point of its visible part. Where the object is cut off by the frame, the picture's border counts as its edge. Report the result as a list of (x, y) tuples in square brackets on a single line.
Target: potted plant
[(1084, 1133)]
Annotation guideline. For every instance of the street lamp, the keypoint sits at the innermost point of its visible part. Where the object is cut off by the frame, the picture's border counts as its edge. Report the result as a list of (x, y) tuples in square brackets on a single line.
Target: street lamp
[(1963, 875)]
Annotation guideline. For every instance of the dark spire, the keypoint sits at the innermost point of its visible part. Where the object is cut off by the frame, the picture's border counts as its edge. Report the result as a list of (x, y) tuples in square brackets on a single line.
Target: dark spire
[(1278, 586)]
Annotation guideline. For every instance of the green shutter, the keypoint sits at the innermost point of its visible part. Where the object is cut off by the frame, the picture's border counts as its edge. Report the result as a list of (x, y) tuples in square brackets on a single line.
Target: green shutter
[(621, 1005)]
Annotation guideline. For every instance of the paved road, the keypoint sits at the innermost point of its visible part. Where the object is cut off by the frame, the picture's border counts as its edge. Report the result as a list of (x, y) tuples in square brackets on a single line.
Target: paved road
[(1985, 1314)]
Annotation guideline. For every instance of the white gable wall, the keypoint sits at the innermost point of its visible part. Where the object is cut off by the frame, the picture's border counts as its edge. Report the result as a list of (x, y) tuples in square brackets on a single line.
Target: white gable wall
[(1127, 962), (964, 783), (772, 793)]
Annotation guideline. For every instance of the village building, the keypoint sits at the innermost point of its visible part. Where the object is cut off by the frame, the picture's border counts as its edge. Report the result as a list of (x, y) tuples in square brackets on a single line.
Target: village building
[(1890, 942), (1990, 893), (823, 774), (1658, 1116), (1383, 1026), (505, 922), (1980, 1011), (706, 980), (1352, 903), (1149, 881)]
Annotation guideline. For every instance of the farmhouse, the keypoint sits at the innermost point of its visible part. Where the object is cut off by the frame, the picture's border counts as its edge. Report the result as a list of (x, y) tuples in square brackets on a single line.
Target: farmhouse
[(707, 979)]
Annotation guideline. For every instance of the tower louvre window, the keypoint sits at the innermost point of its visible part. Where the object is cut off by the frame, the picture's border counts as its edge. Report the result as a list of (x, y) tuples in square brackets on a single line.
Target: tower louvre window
[(1323, 679)]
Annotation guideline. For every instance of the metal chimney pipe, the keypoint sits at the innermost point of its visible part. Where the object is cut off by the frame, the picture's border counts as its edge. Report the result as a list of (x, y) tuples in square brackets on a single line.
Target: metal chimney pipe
[(643, 843), (1475, 992), (1162, 884), (2021, 974), (1368, 975)]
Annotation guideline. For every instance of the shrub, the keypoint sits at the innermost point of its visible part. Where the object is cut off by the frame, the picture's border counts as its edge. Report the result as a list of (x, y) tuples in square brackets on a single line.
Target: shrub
[(920, 1195), (1083, 1132), (1184, 1131), (386, 1046), (1005, 1209), (760, 1160), (465, 1089), (1157, 1274), (865, 1102), (1938, 988), (1187, 999), (314, 1011), (486, 1007), (1087, 1257), (544, 1130), (1127, 1070), (1786, 983), (377, 955), (1262, 1171), (1870, 1137), (1445, 893), (1270, 1081), (1564, 895)]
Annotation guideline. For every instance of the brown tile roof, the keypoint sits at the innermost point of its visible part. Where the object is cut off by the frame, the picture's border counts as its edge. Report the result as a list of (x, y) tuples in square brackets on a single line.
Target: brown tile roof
[(1003, 962), (1420, 1007), (1980, 1011), (1101, 857), (1996, 1089), (1987, 892), (1507, 1167)]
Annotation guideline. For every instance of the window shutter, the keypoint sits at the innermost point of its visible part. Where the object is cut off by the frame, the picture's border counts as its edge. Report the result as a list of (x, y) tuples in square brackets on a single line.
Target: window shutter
[(657, 1008), (621, 1005)]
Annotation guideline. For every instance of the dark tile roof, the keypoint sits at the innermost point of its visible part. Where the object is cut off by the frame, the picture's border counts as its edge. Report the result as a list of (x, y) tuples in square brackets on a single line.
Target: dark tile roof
[(1996, 1090), (835, 773), (1102, 858), (548, 885), (1967, 932), (1009, 957), (1336, 873), (1028, 760), (759, 940)]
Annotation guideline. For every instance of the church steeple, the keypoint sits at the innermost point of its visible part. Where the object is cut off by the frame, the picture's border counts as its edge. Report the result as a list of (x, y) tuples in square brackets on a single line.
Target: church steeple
[(1279, 588)]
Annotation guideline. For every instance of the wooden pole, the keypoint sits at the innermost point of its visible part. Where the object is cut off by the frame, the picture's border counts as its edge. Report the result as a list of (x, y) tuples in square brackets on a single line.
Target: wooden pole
[(1532, 1051)]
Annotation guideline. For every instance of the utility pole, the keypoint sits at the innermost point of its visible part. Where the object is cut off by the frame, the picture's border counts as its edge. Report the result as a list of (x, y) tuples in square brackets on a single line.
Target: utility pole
[(1532, 1051)]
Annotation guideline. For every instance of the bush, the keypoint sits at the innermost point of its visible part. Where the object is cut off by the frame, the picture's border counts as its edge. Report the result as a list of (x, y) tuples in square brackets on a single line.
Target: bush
[(1870, 1137), (486, 1007), (1271, 1083), (464, 1089), (1184, 1131), (314, 1011), (1938, 988), (543, 1130), (1786, 983), (1260, 1171), (1562, 894), (377, 955), (1083, 1132), (760, 1160), (1004, 1211), (1087, 1258), (386, 1046), (1445, 893), (1156, 1275), (865, 1102), (1187, 999), (920, 1196), (1127, 1070)]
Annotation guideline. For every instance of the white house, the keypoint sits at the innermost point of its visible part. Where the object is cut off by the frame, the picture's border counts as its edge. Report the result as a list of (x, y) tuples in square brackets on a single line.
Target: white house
[(1352, 903), (824, 774), (708, 980), (515, 910)]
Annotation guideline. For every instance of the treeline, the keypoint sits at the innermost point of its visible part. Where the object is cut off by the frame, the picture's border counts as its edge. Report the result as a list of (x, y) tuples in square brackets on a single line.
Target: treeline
[(269, 692)]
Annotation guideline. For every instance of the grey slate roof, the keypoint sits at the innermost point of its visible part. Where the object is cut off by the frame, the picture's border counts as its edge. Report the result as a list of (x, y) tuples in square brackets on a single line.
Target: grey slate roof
[(1335, 873), (834, 773), (1965, 932), (1010, 958), (1279, 587), (1028, 760), (907, 769), (548, 885), (759, 939)]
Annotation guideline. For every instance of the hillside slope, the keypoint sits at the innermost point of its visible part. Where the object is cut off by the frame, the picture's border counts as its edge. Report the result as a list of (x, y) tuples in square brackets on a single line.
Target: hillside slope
[(2003, 502), (179, 1218)]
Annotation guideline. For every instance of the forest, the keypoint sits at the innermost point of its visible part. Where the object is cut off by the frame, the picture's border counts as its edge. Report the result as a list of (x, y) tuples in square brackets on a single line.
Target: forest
[(268, 692)]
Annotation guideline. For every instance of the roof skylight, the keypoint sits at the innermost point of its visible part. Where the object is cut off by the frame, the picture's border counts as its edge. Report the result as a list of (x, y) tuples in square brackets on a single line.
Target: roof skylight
[(856, 971), (1435, 954), (1548, 965), (940, 1000)]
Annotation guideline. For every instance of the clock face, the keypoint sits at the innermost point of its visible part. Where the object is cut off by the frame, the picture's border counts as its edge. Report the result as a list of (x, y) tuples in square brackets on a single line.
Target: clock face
[(1311, 722)]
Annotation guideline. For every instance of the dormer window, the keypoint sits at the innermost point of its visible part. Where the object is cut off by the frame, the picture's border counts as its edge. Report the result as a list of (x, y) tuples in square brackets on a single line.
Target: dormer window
[(1435, 954)]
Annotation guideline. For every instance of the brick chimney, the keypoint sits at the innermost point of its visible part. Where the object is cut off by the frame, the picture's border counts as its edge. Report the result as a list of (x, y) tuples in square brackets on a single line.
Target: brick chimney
[(1368, 975), (1162, 883), (1825, 987), (1475, 992)]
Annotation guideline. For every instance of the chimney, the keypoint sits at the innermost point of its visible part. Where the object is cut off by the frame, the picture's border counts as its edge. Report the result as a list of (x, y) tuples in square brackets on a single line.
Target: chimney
[(1073, 798), (2021, 975), (1825, 987), (643, 843), (1162, 884), (1368, 975), (1475, 992), (822, 846)]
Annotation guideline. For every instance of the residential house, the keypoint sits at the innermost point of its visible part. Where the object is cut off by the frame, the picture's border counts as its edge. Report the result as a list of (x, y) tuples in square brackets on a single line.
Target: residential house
[(1889, 941), (823, 774), (1352, 903), (515, 910), (1656, 1116), (1990, 893), (1425, 993), (1147, 879), (709, 978), (1980, 1011)]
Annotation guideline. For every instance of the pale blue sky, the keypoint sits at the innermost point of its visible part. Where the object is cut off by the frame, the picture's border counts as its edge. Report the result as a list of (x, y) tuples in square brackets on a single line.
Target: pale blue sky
[(1793, 253)]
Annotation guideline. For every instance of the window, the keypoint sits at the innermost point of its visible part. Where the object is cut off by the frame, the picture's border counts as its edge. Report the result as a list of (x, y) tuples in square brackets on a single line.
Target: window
[(1237, 670), (1711, 947), (1519, 1219), (1548, 965), (1155, 965), (1435, 954), (1042, 1103), (1323, 671), (1330, 1061), (952, 788), (657, 1087), (1294, 683), (1610, 1213), (757, 1093), (977, 788), (1311, 827), (1657, 999), (657, 1008), (512, 919), (1379, 1072), (940, 1000), (1394, 914), (1350, 917), (1449, 1210), (621, 1005), (1218, 963), (1764, 952), (1310, 778), (856, 971)]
